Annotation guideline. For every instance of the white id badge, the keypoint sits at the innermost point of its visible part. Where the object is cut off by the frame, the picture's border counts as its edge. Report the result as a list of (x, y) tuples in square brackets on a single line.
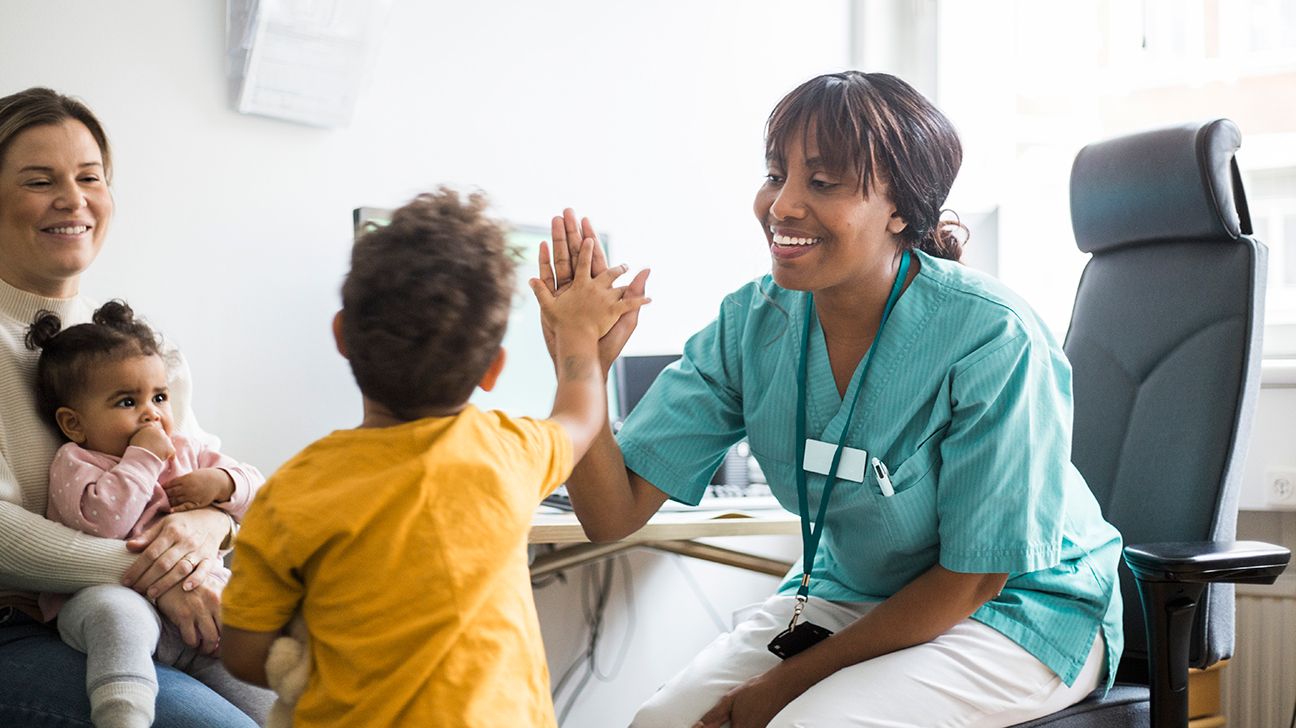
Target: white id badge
[(819, 455)]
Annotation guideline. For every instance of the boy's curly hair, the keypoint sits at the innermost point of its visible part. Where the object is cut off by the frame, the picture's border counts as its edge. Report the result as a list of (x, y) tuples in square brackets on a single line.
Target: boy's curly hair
[(426, 303), (67, 354)]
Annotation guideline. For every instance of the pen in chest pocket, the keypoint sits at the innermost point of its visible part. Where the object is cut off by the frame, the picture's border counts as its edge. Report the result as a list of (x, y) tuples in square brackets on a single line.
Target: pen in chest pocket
[(883, 478)]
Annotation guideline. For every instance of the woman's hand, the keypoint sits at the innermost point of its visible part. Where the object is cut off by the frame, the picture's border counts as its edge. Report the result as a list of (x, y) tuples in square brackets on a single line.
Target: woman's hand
[(752, 704), (179, 547), (196, 612), (557, 273)]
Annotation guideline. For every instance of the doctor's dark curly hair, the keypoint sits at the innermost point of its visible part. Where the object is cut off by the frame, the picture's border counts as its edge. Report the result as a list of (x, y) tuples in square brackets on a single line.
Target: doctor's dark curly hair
[(426, 303), (67, 355)]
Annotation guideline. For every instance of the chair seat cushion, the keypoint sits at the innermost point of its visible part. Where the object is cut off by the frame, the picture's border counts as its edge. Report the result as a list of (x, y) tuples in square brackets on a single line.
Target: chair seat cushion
[(1123, 706)]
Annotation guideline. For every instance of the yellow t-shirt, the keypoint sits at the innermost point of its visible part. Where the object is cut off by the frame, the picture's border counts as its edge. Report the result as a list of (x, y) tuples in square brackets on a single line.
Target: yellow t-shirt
[(405, 549)]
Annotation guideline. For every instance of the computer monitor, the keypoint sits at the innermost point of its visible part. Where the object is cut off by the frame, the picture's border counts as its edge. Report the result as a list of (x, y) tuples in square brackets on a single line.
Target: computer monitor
[(633, 375), (526, 386)]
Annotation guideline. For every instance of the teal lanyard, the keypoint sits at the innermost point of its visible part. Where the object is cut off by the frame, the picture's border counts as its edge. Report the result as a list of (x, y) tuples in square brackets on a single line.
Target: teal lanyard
[(809, 536)]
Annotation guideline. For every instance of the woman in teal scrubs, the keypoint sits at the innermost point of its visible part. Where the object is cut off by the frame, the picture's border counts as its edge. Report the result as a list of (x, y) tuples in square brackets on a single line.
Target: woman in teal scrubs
[(916, 413)]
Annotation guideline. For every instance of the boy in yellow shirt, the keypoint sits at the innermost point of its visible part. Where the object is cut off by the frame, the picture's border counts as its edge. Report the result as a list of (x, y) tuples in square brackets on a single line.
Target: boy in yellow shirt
[(403, 542)]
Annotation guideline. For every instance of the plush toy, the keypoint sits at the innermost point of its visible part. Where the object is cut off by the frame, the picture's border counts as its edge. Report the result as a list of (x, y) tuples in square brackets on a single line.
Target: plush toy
[(287, 670)]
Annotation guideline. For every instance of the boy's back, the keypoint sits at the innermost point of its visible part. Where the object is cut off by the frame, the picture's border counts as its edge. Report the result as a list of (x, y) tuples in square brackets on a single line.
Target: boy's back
[(412, 539)]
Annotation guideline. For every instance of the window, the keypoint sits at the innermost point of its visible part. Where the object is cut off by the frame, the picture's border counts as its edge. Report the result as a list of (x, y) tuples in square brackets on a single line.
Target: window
[(1259, 35), (1026, 95), (1272, 195)]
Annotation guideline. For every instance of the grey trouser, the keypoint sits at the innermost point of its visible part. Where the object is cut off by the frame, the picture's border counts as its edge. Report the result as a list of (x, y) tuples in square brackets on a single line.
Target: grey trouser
[(119, 631)]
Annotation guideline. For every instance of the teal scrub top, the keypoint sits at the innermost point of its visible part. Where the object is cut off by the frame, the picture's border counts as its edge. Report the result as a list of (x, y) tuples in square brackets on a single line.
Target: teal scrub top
[(969, 406)]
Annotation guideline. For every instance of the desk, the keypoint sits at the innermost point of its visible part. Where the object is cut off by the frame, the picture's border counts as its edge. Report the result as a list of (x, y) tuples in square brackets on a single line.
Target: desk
[(667, 531)]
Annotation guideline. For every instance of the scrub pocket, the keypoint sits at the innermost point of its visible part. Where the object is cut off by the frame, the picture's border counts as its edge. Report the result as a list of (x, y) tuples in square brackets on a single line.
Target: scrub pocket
[(910, 515)]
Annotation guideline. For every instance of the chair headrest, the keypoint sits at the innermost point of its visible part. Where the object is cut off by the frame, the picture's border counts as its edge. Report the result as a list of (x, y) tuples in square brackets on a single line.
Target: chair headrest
[(1177, 183)]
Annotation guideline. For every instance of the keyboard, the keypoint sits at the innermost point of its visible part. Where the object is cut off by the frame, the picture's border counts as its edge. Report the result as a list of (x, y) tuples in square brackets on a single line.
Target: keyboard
[(754, 497)]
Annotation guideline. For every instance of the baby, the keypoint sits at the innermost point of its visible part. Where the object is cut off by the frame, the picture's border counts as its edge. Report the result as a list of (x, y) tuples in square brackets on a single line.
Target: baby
[(104, 384)]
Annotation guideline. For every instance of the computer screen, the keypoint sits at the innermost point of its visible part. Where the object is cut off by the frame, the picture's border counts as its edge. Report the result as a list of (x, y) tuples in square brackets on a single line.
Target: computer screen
[(633, 376), (526, 386)]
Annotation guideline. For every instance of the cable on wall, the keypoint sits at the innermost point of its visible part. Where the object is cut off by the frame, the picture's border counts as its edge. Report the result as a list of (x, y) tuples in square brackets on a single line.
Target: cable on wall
[(596, 588)]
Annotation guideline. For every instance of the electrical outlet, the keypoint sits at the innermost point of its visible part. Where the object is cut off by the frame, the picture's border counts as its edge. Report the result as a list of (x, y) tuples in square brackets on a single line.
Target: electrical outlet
[(1280, 488)]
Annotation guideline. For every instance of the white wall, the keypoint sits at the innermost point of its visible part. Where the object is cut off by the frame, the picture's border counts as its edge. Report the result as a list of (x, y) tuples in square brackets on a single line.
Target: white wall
[(232, 232), (1272, 447)]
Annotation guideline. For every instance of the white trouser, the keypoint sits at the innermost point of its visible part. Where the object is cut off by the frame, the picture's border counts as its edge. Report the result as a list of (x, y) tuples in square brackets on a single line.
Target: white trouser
[(971, 676)]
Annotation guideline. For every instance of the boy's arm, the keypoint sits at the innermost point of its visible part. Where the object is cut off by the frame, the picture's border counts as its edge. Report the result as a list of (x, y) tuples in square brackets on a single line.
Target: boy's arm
[(264, 591), (244, 653), (580, 403)]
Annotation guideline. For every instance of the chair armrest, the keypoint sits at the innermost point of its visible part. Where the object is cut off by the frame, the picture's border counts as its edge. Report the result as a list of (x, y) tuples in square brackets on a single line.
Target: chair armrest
[(1204, 562), (1171, 578)]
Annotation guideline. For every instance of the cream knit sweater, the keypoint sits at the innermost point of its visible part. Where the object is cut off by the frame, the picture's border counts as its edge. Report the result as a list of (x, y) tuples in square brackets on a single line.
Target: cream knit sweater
[(37, 554)]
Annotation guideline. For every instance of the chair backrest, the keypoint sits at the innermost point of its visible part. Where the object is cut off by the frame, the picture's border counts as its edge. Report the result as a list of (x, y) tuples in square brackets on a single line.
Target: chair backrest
[(1165, 345)]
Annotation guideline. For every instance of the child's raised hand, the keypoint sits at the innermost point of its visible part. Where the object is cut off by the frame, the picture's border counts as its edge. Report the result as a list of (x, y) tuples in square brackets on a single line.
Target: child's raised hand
[(198, 489), (589, 303), (154, 439)]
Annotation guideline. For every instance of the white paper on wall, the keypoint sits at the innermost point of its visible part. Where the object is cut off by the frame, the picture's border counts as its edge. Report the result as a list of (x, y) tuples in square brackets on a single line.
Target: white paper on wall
[(302, 60)]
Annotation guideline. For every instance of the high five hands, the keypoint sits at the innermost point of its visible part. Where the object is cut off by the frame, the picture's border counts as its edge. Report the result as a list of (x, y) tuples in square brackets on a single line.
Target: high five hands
[(568, 263)]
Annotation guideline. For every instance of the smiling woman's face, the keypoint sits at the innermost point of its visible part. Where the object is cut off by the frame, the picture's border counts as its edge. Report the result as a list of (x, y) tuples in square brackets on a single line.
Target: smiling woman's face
[(823, 233), (55, 207)]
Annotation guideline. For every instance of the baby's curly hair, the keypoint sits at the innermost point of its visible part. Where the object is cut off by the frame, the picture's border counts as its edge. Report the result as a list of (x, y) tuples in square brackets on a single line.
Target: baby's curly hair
[(67, 354), (426, 303)]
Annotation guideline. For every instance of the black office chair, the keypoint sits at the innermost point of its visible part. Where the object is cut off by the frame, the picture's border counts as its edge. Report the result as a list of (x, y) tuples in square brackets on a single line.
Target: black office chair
[(1165, 346)]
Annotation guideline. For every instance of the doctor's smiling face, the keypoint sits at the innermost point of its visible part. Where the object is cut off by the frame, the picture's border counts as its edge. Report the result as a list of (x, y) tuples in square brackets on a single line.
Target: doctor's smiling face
[(823, 232), (859, 165)]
